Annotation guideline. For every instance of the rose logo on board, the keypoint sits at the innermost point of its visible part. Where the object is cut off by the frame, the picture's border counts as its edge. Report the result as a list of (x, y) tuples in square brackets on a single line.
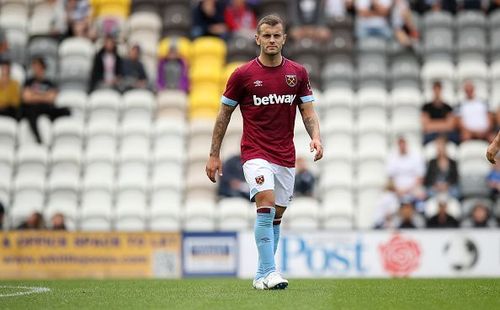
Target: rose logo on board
[(400, 256)]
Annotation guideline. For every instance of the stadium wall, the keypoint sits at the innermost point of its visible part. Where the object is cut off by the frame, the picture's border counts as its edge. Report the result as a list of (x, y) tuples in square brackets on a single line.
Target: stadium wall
[(350, 254)]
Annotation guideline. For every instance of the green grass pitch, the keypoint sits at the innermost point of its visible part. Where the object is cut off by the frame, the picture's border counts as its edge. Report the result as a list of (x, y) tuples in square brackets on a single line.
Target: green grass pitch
[(454, 294)]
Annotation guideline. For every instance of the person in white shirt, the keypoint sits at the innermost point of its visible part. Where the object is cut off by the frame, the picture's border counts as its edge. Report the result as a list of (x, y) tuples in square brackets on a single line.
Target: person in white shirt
[(406, 169), (474, 118), (373, 18)]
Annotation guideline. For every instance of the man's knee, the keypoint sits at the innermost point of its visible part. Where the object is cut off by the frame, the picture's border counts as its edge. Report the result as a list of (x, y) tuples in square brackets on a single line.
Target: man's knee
[(265, 198)]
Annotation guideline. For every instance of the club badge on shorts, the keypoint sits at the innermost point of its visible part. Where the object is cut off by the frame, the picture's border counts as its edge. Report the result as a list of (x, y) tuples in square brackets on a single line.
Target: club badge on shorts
[(259, 179), (291, 80)]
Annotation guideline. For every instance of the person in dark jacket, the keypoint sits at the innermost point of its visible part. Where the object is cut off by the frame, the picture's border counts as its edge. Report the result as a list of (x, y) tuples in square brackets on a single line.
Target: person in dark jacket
[(442, 219), (442, 172), (108, 66)]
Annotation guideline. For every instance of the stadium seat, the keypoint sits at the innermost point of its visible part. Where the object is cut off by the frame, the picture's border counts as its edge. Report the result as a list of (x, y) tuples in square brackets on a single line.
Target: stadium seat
[(209, 48), (367, 200), (182, 43), (29, 197), (8, 132), (336, 174), (233, 214), (144, 26), (372, 146), (76, 100), (177, 19), (338, 74), (472, 178), (471, 150), (32, 161), (337, 210), (6, 171), (303, 215), (197, 186), (240, 49), (119, 8), (438, 44), (476, 71), (18, 73), (165, 217), (169, 139), (372, 119), (199, 215), (131, 203), (405, 73), (406, 121), (372, 72), (439, 70), (406, 97), (104, 104), (47, 48), (469, 203), (430, 151), (15, 27), (453, 207), (101, 139), (68, 132), (371, 174), (172, 103), (273, 7), (338, 147), (40, 21), (75, 62)]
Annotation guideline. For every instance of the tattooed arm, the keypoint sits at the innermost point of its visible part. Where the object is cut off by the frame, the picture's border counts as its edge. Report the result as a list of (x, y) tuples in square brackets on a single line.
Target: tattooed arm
[(311, 122), (214, 163), (493, 148)]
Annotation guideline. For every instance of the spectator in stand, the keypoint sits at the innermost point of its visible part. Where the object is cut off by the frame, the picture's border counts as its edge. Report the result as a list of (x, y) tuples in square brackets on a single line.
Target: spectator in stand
[(58, 19), (107, 67), (339, 8), (386, 208), (134, 75), (474, 118), (240, 19), (4, 44), (494, 5), (78, 13), (57, 222), (208, 19), (34, 221), (480, 218), (405, 31), (471, 5), (372, 18), (437, 117), (442, 172), (38, 98), (172, 71), (2, 215), (494, 181), (10, 92), (304, 179), (232, 182), (308, 20), (407, 216), (422, 6), (442, 219), (406, 169)]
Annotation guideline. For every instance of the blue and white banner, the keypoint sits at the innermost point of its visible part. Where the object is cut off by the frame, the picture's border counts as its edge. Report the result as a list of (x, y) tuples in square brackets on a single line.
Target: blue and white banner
[(410, 253), (209, 254)]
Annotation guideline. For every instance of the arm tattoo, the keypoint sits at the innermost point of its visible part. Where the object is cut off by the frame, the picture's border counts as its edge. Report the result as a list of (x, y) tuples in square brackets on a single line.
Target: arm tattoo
[(312, 126), (220, 128), (311, 123)]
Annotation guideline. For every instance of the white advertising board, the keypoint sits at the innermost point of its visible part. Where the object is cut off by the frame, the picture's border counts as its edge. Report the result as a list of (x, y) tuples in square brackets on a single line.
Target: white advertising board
[(426, 253)]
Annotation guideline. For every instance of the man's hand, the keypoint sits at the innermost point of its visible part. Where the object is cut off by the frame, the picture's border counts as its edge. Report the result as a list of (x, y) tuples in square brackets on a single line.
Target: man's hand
[(316, 145), (491, 152), (214, 165)]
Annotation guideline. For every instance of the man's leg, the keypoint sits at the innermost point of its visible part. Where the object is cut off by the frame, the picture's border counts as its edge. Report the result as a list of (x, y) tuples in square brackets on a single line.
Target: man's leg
[(264, 234), (277, 225)]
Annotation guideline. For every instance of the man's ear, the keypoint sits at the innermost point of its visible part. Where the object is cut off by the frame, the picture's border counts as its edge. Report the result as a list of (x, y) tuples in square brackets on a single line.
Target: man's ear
[(284, 39), (257, 39)]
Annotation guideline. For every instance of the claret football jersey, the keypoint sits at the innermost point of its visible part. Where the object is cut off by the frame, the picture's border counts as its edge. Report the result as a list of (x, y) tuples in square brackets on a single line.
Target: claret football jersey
[(268, 99)]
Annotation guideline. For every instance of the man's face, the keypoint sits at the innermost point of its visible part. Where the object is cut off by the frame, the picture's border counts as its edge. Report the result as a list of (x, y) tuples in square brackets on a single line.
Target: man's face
[(5, 70), (469, 90), (38, 69), (271, 39), (436, 89), (402, 146)]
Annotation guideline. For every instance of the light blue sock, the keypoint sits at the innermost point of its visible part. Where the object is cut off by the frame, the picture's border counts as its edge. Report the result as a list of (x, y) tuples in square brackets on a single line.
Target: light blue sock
[(264, 239), (276, 230)]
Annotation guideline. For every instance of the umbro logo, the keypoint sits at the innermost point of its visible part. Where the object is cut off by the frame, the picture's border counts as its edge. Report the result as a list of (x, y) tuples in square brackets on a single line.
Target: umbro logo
[(257, 83)]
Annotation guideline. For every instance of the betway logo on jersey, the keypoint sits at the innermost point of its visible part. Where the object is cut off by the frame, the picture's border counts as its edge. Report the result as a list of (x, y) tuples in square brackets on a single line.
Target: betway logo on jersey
[(273, 99)]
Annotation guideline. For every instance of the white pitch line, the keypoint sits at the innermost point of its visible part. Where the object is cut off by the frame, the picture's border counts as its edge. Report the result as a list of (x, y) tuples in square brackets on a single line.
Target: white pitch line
[(30, 290)]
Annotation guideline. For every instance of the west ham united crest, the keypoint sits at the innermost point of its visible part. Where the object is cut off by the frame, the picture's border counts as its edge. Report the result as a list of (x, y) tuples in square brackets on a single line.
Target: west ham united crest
[(259, 179), (291, 80)]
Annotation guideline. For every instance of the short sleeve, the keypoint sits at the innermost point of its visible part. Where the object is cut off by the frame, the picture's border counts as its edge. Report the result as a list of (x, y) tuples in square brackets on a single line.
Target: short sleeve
[(234, 89), (305, 92)]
